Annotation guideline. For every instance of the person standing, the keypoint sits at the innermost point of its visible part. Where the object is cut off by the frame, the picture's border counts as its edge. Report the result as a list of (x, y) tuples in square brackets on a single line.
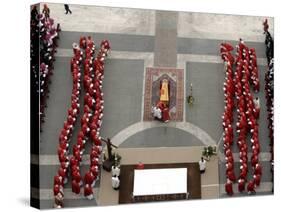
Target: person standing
[(46, 11), (58, 201), (88, 192), (251, 187), (140, 165), (89, 178), (34, 12), (75, 187), (241, 184), (156, 112), (228, 187), (257, 107), (265, 25), (115, 170), (166, 115), (202, 165), (66, 7), (115, 182)]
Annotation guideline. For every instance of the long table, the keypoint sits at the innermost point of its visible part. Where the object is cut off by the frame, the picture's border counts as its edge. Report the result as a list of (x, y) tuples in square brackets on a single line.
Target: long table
[(160, 184), (156, 187)]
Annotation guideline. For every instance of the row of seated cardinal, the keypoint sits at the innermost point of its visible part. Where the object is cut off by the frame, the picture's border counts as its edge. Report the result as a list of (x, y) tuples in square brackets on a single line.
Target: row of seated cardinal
[(92, 115), (44, 34), (269, 90), (248, 113)]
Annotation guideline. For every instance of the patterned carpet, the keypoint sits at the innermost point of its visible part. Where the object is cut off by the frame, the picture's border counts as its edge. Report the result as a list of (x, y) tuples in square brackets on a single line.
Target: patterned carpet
[(153, 77)]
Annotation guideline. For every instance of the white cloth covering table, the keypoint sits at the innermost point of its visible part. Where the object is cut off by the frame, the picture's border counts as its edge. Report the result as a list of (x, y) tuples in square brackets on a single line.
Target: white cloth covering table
[(160, 181)]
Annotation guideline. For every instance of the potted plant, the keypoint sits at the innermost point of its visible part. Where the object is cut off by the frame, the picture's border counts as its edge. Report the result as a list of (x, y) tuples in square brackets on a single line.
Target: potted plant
[(117, 159), (208, 151)]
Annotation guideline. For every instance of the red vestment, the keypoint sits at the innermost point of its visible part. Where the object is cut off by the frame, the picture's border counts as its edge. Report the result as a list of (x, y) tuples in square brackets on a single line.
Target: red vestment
[(165, 114), (57, 180), (56, 189), (77, 177), (257, 179), (258, 169), (241, 185), (251, 186), (228, 188), (75, 187), (89, 178), (140, 166), (88, 190)]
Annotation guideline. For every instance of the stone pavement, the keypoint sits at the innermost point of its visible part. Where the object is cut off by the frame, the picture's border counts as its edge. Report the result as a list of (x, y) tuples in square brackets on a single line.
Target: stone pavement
[(166, 39), (141, 39)]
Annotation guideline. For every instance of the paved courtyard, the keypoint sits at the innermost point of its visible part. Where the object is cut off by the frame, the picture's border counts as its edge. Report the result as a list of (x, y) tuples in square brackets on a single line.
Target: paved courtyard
[(141, 39)]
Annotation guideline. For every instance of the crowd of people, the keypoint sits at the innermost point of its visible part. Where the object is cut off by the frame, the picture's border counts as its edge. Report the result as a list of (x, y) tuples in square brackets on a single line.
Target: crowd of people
[(161, 112), (91, 120), (66, 133), (227, 117), (249, 108), (78, 148), (34, 67), (44, 35), (269, 91), (95, 89), (238, 96)]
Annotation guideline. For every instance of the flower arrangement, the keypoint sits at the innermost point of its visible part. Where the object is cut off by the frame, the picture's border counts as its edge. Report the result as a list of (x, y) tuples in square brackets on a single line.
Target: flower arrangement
[(209, 151)]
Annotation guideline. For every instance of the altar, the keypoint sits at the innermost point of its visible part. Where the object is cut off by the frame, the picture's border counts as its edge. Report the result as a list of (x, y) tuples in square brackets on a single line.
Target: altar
[(160, 181), (160, 184)]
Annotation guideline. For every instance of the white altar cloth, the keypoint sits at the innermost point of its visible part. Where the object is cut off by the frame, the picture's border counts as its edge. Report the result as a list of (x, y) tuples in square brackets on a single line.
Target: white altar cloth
[(160, 181)]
